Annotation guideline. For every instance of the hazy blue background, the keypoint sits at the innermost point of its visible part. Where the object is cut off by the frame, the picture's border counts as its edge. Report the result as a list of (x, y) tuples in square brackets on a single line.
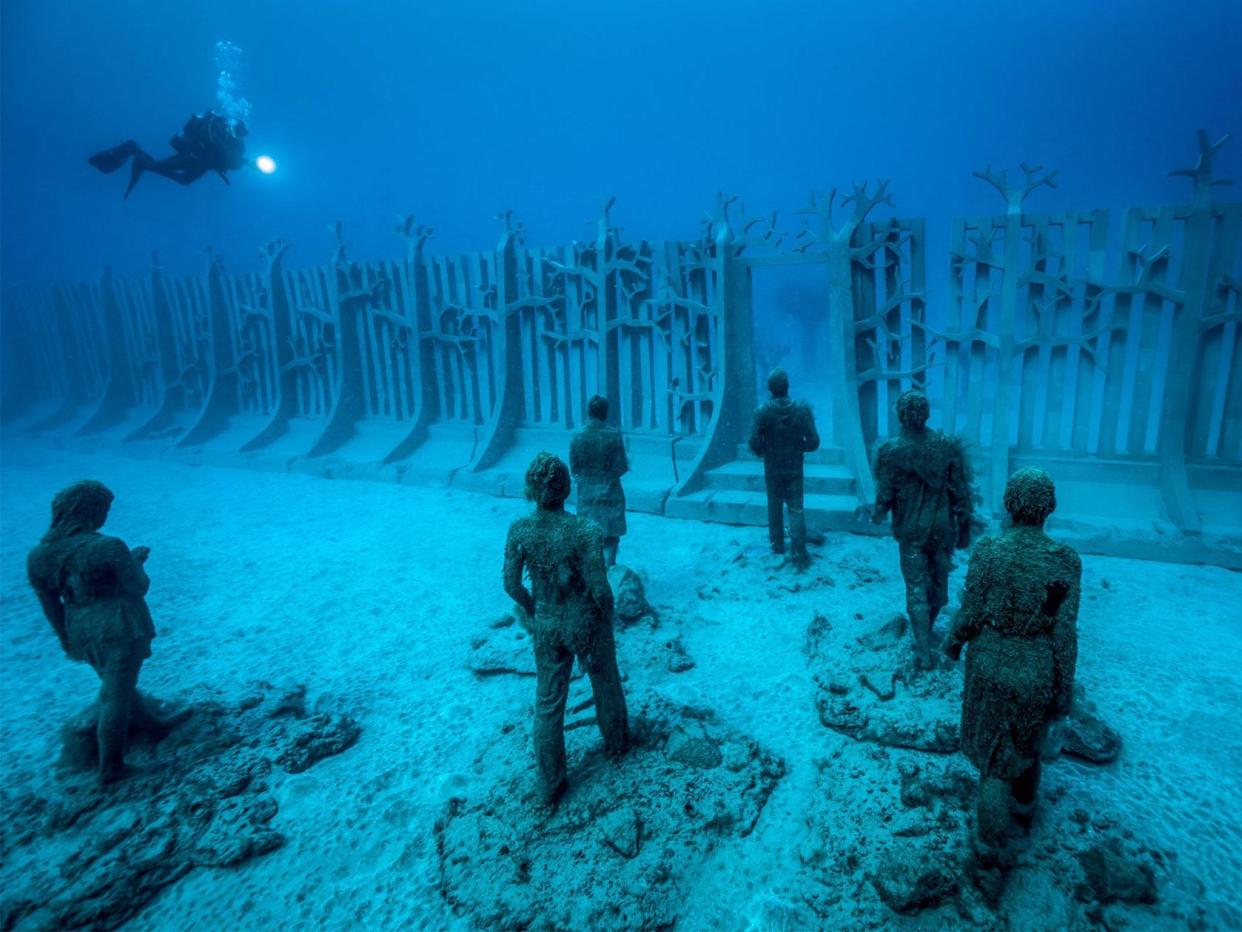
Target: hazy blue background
[(456, 109)]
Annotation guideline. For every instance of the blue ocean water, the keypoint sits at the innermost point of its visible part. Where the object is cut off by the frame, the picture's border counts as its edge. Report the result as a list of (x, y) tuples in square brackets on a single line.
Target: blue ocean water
[(455, 111), (790, 768)]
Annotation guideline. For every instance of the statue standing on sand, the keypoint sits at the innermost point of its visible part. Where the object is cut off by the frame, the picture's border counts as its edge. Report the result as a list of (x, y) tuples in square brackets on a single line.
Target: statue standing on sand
[(923, 478), (1019, 616), (568, 612), (597, 461), (784, 431), (92, 589)]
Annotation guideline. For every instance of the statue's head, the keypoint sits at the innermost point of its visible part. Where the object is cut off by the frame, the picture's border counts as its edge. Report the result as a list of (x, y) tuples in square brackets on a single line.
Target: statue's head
[(547, 481), (1030, 497), (778, 382), (913, 409), (597, 408), (80, 507)]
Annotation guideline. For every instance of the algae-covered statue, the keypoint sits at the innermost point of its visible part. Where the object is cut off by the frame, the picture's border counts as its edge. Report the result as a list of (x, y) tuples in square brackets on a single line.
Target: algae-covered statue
[(784, 430), (1019, 616), (923, 478), (92, 589), (568, 612), (597, 461)]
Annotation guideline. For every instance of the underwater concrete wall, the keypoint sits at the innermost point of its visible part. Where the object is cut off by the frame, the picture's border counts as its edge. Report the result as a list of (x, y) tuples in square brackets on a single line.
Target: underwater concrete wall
[(1122, 379)]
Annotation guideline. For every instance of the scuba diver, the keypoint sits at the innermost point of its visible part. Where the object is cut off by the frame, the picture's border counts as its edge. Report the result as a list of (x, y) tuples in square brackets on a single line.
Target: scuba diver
[(209, 142)]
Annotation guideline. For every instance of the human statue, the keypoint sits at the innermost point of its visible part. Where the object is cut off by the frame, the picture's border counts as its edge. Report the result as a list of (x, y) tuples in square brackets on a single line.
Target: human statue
[(208, 142), (923, 478), (568, 611), (784, 430), (1019, 618), (92, 589), (597, 461)]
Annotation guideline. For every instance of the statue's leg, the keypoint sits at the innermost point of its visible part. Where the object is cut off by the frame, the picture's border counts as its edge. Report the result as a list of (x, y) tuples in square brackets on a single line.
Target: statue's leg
[(992, 827), (610, 712), (914, 569), (1024, 790), (775, 512), (797, 521), (554, 664), (610, 550), (776, 520), (118, 677), (941, 561)]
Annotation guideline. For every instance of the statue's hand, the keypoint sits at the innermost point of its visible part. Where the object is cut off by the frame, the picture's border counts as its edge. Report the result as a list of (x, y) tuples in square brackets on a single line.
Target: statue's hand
[(523, 617), (141, 553), (864, 513), (1061, 707)]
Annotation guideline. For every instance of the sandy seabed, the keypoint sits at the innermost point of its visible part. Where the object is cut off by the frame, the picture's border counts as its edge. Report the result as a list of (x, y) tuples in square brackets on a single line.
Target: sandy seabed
[(371, 594)]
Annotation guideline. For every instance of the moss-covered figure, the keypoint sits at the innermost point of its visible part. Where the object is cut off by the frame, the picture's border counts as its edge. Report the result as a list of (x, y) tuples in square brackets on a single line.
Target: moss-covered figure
[(784, 431), (1019, 616), (91, 588), (597, 461), (568, 611), (923, 478)]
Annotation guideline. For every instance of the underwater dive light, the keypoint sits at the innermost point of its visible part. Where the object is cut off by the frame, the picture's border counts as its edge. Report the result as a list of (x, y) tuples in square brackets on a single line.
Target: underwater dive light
[(265, 164)]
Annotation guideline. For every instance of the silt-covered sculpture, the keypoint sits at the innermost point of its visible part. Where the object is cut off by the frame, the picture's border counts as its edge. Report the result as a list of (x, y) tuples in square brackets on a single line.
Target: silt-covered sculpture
[(92, 589), (784, 430), (568, 611), (1019, 616), (597, 460), (923, 478)]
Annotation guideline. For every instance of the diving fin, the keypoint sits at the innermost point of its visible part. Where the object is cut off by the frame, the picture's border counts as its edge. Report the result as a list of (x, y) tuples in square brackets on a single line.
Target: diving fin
[(110, 160), (135, 172)]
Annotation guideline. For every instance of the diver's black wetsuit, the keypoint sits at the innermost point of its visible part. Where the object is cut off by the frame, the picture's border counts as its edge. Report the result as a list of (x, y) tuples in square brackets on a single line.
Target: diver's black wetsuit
[(207, 143)]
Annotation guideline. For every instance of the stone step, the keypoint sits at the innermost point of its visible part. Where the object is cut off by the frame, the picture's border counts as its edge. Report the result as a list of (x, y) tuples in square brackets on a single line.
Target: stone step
[(747, 476), (730, 506), (824, 456)]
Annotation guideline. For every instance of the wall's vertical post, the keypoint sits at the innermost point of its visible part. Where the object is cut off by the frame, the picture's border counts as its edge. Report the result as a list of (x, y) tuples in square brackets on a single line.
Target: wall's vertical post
[(171, 384), (506, 415), (418, 300), (1175, 412), (118, 396), (222, 393), (734, 351), (609, 336), (350, 298), (736, 346), (1002, 326), (843, 364), (281, 321), (841, 248)]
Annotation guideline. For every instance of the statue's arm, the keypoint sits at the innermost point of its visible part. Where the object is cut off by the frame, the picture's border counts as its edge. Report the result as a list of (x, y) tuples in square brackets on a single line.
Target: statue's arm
[(885, 486), (575, 456), (596, 573), (53, 607), (962, 496), (131, 578), (1065, 639), (968, 621), (757, 446), (811, 435), (621, 461), (514, 564)]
